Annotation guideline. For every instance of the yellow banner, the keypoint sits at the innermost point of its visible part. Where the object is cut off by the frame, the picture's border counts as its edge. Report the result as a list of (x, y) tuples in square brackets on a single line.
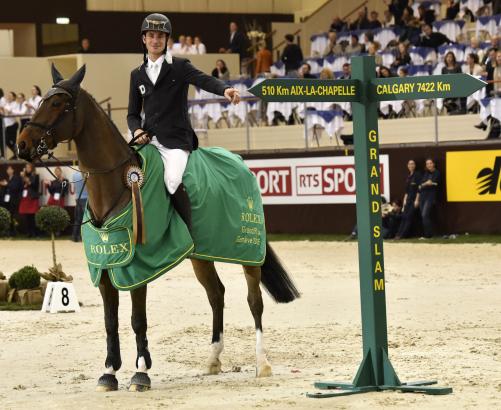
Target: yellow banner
[(473, 176)]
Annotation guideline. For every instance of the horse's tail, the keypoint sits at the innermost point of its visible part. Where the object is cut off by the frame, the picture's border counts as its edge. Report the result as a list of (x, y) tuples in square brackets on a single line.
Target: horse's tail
[(276, 280)]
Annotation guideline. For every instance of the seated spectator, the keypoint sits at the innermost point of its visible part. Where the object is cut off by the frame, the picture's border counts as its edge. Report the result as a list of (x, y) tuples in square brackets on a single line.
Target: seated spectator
[(494, 73), (452, 10), (403, 72), (388, 19), (346, 74), (402, 57), (292, 56), (384, 72), (332, 47), (221, 71), (410, 201), (305, 71), (474, 47), (35, 99), (361, 23), (58, 189), (199, 47), (432, 39), (426, 16), (472, 66), (355, 47), (326, 74), (453, 105), (264, 59), (396, 8), (12, 188), (391, 215), (451, 66), (371, 51), (338, 25), (411, 29), (374, 22), (428, 196)]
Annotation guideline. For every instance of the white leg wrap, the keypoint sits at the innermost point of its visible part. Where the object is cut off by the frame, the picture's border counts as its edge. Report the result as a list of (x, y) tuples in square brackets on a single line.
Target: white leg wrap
[(141, 365), (109, 370)]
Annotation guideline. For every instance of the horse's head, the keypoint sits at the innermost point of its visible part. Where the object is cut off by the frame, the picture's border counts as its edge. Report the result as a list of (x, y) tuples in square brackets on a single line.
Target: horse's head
[(55, 120)]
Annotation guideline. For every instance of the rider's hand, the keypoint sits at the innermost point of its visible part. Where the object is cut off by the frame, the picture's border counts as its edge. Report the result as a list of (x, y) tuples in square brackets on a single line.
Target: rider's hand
[(143, 139), (232, 95)]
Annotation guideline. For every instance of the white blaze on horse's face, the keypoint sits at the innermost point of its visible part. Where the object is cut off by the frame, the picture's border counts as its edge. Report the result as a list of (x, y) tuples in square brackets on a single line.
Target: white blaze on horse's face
[(155, 42)]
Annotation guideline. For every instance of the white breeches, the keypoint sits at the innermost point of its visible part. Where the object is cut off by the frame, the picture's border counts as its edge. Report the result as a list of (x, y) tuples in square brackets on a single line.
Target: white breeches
[(175, 161)]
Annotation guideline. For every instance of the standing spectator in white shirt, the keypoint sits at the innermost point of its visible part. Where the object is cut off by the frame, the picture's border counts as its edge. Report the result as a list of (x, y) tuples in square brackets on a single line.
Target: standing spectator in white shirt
[(199, 46), (190, 48), (170, 45), (35, 99), (180, 46), (21, 109), (10, 124)]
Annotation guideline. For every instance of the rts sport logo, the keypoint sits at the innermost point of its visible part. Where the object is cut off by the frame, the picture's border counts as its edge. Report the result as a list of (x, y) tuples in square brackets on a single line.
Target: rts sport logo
[(320, 180)]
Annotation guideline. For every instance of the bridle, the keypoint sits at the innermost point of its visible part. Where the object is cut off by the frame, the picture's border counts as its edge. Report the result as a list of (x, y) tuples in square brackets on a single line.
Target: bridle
[(50, 132), (42, 147)]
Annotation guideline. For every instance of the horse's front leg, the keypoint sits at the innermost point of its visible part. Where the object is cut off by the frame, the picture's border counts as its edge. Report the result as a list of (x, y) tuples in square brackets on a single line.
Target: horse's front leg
[(140, 381), (108, 381)]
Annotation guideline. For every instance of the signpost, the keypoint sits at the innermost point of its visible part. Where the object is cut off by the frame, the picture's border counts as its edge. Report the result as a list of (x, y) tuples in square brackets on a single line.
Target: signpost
[(364, 90)]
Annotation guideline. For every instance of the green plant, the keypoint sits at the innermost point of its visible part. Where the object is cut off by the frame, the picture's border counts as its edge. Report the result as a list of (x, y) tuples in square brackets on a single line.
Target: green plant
[(27, 277), (4, 221), (52, 219)]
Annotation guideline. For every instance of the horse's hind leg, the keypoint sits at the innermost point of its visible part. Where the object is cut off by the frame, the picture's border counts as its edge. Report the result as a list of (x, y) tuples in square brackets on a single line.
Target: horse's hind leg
[(140, 380), (108, 381), (254, 297), (207, 276)]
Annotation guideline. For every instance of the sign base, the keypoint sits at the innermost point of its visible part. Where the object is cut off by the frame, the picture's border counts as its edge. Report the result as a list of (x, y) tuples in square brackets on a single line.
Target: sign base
[(346, 389)]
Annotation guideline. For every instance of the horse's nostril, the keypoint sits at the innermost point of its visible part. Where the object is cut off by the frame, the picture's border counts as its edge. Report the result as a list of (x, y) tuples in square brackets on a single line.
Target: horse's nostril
[(22, 145)]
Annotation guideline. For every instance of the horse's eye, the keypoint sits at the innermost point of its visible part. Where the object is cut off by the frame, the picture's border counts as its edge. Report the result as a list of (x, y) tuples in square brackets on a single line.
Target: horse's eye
[(56, 104)]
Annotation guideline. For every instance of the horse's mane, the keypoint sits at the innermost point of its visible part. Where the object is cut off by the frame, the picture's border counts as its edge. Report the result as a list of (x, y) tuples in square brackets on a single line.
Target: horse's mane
[(104, 113)]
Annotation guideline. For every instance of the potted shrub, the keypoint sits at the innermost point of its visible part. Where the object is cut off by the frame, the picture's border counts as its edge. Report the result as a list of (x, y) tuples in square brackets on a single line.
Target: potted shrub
[(53, 219), (25, 286)]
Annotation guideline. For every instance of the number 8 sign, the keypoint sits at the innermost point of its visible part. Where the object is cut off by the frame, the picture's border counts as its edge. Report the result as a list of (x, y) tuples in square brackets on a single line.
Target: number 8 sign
[(60, 297)]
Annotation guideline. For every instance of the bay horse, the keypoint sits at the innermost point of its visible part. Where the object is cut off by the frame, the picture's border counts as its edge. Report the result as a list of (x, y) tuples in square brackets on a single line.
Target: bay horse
[(68, 112)]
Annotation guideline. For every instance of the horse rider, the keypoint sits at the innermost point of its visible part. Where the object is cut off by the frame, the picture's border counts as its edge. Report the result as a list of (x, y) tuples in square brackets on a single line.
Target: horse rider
[(159, 88)]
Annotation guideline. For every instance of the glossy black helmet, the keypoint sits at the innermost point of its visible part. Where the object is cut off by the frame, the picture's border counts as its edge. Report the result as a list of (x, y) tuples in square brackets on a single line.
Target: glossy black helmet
[(156, 22)]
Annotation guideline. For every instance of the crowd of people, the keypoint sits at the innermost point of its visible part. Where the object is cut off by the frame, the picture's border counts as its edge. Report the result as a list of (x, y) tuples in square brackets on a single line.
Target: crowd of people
[(16, 111), (20, 194), (415, 213)]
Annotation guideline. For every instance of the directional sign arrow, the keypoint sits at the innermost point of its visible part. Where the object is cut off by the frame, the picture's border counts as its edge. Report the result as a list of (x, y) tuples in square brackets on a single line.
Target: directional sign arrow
[(422, 87), (292, 90)]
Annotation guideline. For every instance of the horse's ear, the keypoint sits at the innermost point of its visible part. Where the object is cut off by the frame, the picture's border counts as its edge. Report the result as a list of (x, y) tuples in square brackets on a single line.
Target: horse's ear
[(56, 75), (77, 78)]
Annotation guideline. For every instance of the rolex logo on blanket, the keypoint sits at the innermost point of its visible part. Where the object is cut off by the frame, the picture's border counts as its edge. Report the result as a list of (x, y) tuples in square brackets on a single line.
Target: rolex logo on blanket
[(227, 215)]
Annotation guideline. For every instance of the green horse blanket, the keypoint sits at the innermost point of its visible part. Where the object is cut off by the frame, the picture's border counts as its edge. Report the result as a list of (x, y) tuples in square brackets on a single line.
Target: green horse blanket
[(227, 218)]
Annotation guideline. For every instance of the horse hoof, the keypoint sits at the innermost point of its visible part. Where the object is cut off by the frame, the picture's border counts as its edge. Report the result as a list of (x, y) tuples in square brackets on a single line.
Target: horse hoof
[(214, 367), (106, 383), (140, 382), (264, 370)]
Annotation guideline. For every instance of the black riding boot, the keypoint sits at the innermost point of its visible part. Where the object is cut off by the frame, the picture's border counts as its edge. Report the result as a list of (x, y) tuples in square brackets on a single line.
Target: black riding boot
[(182, 205)]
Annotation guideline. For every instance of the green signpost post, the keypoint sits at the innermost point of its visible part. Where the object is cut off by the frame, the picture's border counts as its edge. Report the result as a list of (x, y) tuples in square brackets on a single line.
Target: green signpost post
[(364, 90)]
